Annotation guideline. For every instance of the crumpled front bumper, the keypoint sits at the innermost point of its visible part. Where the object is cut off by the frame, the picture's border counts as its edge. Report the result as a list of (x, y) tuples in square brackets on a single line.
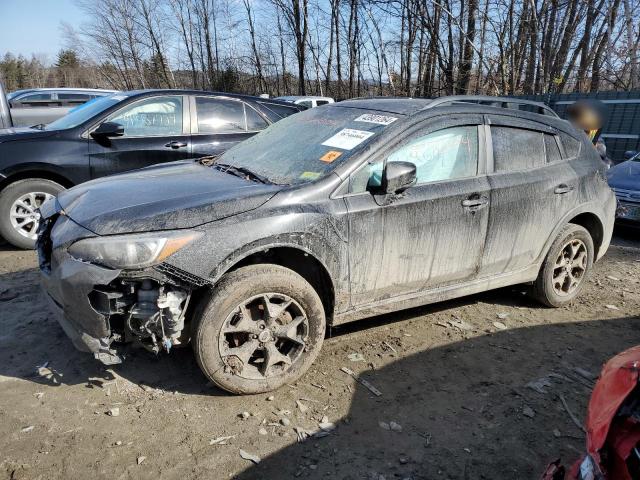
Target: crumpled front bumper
[(67, 286), (67, 283)]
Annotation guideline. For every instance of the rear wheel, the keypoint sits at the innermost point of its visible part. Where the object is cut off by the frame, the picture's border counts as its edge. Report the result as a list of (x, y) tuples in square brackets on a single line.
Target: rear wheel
[(564, 271), (262, 327), (19, 203)]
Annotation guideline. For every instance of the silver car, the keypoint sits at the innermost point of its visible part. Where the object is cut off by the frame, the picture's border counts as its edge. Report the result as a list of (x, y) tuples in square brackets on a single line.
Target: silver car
[(44, 105)]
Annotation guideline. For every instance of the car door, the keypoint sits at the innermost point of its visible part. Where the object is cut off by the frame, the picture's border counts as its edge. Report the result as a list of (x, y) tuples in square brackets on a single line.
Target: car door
[(431, 235), (156, 130), (220, 123), (532, 188)]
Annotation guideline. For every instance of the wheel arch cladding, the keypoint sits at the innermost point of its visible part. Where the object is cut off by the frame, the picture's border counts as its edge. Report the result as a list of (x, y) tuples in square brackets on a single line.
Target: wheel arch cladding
[(593, 225), (300, 261)]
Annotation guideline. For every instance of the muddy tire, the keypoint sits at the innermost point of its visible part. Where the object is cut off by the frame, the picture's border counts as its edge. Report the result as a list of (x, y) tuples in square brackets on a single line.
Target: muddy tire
[(18, 204), (565, 269), (260, 328)]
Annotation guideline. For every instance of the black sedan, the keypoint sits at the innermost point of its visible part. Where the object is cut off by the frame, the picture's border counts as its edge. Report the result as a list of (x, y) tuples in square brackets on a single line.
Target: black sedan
[(113, 134)]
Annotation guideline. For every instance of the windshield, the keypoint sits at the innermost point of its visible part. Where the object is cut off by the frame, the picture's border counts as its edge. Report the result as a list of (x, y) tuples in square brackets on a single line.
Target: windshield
[(306, 146), (85, 112)]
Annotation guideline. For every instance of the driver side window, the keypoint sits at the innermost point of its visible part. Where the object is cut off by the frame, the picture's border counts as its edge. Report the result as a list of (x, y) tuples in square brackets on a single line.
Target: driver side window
[(156, 116), (445, 154)]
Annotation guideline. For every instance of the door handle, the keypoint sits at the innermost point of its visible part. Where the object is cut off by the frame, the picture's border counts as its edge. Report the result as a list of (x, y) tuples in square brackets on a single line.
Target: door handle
[(475, 202), (563, 188), (175, 144)]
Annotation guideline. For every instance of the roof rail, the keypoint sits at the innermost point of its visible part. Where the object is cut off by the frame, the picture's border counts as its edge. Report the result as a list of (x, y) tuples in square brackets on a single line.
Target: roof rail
[(493, 101)]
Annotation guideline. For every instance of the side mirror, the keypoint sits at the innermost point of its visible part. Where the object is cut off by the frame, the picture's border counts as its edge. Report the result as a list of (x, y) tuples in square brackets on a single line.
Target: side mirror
[(398, 176), (107, 130), (629, 154)]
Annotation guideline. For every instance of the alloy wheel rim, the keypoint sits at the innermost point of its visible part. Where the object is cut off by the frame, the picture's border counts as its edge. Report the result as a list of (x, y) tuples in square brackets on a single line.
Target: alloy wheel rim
[(264, 336), (24, 214), (570, 267)]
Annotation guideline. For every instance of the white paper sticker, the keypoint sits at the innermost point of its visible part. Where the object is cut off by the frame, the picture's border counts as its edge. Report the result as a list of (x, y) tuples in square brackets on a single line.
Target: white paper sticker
[(377, 119), (347, 138)]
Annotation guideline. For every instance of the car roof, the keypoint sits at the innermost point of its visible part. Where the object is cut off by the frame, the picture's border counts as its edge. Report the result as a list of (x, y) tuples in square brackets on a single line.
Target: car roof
[(303, 97), (149, 92), (397, 105), (410, 106), (65, 89)]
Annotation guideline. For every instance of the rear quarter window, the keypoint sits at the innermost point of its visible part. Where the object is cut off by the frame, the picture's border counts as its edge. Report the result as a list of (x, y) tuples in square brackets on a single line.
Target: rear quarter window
[(571, 145), (551, 148), (516, 149)]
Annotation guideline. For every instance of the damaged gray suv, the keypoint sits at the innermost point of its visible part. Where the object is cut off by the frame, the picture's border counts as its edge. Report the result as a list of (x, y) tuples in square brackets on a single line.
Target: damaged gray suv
[(332, 215)]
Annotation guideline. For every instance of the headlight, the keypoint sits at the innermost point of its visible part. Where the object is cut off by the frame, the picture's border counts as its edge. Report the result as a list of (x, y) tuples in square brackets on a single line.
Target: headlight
[(132, 250)]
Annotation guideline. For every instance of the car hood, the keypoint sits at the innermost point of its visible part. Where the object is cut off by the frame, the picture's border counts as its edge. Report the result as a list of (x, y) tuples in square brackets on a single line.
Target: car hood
[(625, 175), (173, 195), (23, 133)]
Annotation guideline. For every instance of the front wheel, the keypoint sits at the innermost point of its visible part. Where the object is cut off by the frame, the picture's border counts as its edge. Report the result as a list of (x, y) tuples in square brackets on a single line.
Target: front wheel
[(19, 203), (565, 269), (262, 327)]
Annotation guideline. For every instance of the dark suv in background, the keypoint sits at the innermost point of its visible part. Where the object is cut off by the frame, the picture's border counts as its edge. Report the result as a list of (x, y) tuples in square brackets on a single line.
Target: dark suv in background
[(116, 133), (339, 213)]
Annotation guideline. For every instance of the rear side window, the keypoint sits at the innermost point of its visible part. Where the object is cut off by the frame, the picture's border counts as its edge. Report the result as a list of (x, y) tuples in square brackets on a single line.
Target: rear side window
[(321, 102), (516, 149), (551, 147), (80, 97), (571, 145), (280, 110), (220, 116)]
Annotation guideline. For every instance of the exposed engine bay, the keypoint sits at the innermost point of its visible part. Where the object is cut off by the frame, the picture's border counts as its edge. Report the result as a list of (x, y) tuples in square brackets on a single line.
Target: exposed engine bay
[(146, 311)]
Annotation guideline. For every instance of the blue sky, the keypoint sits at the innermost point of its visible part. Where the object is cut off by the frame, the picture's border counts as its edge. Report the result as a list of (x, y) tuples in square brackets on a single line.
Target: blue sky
[(33, 26)]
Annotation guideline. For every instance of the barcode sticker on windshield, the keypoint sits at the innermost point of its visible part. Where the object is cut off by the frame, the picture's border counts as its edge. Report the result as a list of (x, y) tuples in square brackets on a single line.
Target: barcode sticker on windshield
[(347, 138), (377, 119)]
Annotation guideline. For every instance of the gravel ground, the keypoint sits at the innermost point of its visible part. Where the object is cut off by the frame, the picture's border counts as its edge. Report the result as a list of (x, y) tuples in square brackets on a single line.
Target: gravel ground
[(469, 388)]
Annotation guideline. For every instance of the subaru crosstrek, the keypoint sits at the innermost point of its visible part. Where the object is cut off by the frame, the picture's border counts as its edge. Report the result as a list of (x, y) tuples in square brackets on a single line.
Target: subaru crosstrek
[(332, 215)]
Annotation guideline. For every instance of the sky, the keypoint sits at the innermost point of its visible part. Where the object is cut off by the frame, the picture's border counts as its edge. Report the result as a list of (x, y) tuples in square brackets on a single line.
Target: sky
[(33, 26)]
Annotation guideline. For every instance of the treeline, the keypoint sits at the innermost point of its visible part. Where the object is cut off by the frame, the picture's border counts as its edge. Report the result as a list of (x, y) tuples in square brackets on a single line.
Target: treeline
[(347, 48)]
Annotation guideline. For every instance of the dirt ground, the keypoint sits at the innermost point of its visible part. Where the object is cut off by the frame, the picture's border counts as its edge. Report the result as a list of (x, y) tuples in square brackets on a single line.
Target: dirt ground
[(470, 389)]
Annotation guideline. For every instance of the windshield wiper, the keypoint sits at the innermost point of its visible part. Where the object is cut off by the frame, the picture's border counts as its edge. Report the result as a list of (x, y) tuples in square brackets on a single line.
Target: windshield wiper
[(242, 172), (39, 126)]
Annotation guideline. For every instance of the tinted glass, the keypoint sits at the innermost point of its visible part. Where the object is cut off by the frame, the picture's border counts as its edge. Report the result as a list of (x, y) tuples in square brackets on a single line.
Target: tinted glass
[(516, 149), (220, 116), (321, 102), (35, 97), (157, 116), (306, 103), (307, 146), (571, 145), (280, 110), (551, 147), (443, 155), (79, 97), (254, 121)]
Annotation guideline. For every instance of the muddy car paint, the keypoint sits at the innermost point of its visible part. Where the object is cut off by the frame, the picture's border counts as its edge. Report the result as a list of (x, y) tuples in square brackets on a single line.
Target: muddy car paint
[(363, 255)]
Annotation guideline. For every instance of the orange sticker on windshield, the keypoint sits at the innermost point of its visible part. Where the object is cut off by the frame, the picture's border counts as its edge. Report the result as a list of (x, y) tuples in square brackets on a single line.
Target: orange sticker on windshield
[(330, 156)]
